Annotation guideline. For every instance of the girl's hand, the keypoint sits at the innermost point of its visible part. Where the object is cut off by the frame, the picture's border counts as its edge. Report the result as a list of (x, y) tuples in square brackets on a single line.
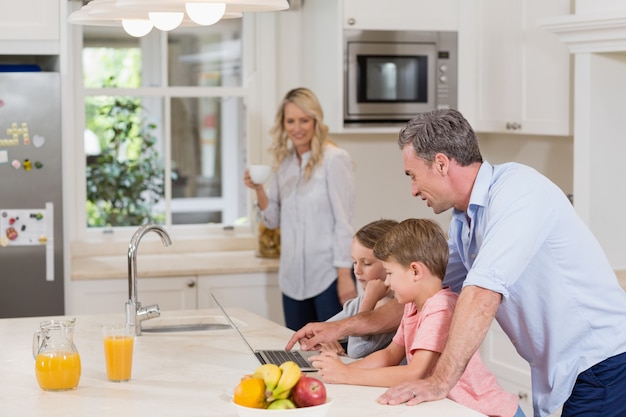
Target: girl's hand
[(333, 348), (376, 289)]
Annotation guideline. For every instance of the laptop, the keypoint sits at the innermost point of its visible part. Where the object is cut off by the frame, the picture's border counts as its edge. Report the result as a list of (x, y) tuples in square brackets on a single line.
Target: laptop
[(273, 356)]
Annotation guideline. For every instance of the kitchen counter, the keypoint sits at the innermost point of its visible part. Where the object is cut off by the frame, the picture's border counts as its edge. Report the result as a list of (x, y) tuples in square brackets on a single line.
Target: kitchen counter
[(174, 374)]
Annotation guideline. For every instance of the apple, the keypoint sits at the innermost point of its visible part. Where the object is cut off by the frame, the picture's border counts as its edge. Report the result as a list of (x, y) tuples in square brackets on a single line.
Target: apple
[(309, 391), (283, 404)]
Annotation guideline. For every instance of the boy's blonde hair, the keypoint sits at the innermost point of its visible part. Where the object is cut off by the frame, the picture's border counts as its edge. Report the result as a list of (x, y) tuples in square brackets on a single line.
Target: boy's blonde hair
[(415, 240)]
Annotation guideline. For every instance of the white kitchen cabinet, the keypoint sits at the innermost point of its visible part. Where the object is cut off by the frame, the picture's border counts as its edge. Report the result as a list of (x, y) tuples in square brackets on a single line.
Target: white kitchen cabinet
[(96, 296), (322, 23), (30, 26), (512, 371), (256, 292), (514, 77), (400, 14)]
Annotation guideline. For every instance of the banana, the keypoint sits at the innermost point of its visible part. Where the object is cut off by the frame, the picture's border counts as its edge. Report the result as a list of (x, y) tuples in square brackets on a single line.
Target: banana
[(270, 374), (288, 379)]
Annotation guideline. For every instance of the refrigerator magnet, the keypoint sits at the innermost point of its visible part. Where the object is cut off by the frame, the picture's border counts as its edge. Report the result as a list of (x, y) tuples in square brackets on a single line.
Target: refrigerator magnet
[(38, 141), (16, 164), (11, 233), (4, 157)]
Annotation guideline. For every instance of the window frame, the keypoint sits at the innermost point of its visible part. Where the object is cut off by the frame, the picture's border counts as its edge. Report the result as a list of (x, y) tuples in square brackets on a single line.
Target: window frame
[(230, 172)]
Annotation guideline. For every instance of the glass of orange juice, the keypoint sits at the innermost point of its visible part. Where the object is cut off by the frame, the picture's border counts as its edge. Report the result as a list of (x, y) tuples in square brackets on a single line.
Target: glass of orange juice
[(118, 339)]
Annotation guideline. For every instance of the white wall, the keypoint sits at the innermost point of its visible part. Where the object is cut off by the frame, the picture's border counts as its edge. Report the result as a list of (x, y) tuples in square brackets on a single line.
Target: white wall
[(600, 148), (382, 188), (384, 191)]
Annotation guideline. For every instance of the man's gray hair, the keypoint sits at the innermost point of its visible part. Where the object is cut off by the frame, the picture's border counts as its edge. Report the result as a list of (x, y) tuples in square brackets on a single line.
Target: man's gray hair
[(441, 131)]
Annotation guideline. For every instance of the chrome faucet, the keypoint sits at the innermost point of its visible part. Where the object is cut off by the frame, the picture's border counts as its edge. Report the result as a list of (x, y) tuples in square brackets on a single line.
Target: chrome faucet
[(135, 314)]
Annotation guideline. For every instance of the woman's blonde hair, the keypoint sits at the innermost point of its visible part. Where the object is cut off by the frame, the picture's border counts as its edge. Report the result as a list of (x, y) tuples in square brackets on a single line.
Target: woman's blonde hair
[(306, 100)]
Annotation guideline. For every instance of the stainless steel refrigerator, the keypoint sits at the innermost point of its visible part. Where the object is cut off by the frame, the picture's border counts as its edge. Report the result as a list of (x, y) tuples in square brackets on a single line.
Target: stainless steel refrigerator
[(31, 209)]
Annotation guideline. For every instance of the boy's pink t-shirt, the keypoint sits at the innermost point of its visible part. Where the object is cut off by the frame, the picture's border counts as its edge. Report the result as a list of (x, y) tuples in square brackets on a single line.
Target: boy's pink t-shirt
[(428, 329)]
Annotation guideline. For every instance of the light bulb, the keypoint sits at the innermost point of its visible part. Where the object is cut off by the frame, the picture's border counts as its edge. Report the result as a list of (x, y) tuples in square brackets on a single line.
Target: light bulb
[(137, 27), (205, 13), (166, 21)]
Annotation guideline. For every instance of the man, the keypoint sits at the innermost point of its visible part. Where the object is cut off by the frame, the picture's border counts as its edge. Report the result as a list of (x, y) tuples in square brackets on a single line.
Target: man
[(520, 254)]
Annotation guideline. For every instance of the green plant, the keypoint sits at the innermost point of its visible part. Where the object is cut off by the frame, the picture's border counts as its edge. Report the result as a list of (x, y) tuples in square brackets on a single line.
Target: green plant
[(126, 180)]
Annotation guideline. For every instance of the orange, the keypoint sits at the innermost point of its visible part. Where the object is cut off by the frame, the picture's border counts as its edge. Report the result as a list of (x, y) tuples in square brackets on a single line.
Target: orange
[(250, 393)]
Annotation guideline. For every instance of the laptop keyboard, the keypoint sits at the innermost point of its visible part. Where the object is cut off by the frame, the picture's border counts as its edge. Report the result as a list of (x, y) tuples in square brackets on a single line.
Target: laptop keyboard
[(280, 356)]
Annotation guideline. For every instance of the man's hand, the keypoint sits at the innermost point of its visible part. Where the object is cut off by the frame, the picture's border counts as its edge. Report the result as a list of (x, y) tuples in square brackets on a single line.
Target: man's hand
[(314, 334), (414, 392), (381, 320)]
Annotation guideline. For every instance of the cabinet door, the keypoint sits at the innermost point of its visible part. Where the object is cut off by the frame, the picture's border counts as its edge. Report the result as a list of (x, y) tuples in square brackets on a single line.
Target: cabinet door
[(30, 20), (110, 295), (256, 292), (400, 14), (513, 75)]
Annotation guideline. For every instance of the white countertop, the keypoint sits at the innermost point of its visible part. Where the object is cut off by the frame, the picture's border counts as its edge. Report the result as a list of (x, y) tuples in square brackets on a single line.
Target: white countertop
[(174, 374)]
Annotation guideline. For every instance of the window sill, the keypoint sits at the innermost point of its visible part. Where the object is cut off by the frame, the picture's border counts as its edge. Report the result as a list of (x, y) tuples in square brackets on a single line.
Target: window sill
[(233, 251), (173, 265)]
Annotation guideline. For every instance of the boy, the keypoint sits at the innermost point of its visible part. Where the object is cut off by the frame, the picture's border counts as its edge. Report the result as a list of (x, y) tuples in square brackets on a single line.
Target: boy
[(415, 256)]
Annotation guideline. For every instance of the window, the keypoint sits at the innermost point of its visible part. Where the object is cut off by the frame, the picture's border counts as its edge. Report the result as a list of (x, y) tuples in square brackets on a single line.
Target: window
[(164, 126)]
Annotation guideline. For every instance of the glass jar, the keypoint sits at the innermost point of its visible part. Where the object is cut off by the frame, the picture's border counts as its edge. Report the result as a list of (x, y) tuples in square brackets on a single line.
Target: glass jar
[(268, 242), (57, 362)]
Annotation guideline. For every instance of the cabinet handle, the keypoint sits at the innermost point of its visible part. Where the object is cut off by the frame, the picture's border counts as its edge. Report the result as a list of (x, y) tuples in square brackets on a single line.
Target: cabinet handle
[(351, 21), (523, 396), (513, 126), (191, 283)]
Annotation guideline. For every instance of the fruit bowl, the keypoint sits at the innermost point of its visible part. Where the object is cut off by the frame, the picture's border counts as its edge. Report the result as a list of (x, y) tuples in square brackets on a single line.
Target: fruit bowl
[(313, 411)]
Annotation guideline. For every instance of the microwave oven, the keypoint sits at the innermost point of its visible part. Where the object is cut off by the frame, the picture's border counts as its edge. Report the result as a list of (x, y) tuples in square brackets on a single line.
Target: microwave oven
[(390, 76)]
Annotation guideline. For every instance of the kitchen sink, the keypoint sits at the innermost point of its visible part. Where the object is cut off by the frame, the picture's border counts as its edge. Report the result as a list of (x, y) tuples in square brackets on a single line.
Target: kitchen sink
[(184, 324)]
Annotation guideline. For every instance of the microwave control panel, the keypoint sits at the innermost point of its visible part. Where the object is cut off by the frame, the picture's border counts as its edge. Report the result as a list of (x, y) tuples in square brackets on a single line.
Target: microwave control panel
[(446, 69)]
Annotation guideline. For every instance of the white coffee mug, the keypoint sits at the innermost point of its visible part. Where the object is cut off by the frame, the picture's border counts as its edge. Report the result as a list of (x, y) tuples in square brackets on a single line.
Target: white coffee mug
[(260, 173)]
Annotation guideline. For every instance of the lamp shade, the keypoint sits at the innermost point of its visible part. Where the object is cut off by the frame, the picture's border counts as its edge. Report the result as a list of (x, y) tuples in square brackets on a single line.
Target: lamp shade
[(205, 13), (137, 27), (166, 21), (167, 14), (231, 5), (105, 13)]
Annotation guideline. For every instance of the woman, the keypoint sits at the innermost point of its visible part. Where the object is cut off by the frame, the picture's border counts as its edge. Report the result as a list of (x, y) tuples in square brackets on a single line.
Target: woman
[(311, 197)]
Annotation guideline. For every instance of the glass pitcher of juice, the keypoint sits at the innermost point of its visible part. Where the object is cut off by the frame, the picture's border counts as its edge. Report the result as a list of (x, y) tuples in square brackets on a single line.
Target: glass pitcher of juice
[(57, 362)]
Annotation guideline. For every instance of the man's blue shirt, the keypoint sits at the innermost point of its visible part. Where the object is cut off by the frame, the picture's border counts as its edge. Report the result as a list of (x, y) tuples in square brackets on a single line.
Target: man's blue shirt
[(562, 306)]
